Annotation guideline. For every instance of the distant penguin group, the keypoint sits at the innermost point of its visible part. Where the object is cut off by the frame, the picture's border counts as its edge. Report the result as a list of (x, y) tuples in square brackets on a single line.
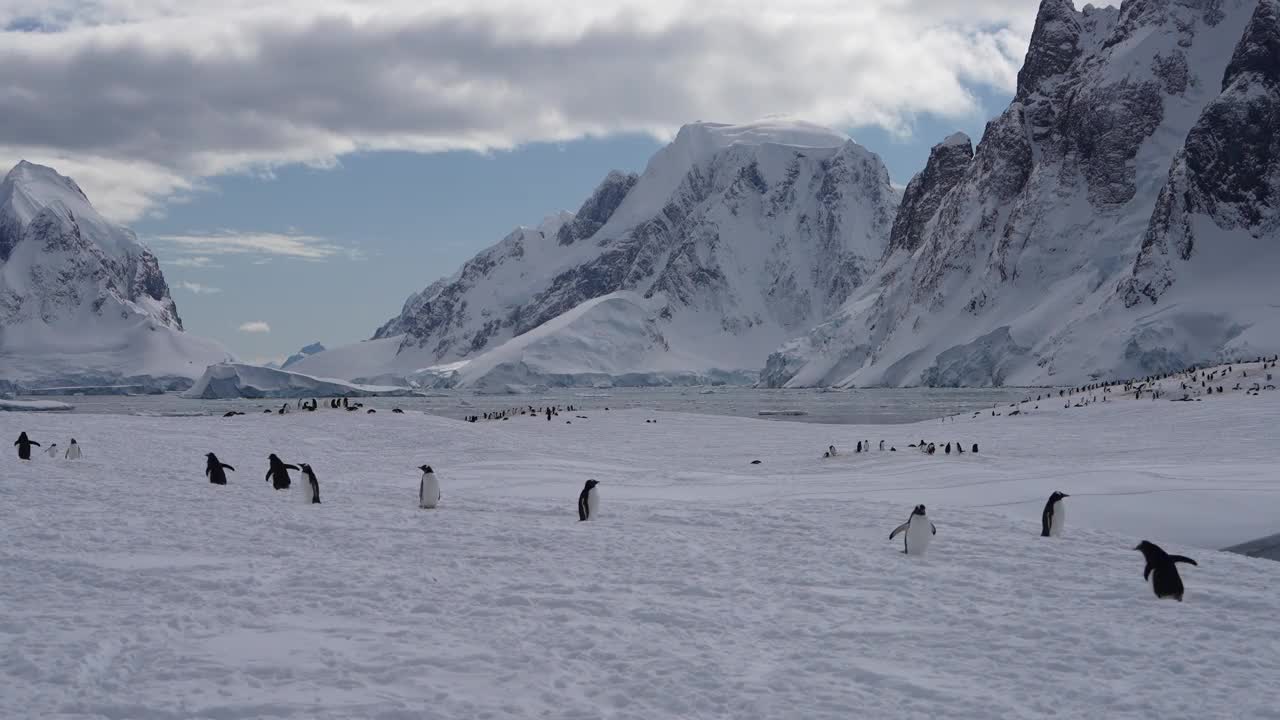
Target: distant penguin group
[(25, 443)]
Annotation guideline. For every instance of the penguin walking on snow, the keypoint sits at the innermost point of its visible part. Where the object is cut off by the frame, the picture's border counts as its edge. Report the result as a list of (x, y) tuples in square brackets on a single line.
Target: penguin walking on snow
[(24, 446), (311, 488), (278, 473), (52, 451), (918, 531), (73, 451), (1165, 580), (588, 501), (428, 489), (1054, 515), (215, 469)]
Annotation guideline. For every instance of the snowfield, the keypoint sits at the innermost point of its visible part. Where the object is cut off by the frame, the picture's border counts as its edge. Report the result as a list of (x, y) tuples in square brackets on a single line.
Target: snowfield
[(707, 588)]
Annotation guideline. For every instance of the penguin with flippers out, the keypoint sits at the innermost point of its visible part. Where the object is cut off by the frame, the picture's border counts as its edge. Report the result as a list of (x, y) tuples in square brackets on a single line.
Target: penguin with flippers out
[(1054, 515), (24, 444), (1162, 570), (278, 472), (917, 531), (428, 489), (215, 469), (588, 501)]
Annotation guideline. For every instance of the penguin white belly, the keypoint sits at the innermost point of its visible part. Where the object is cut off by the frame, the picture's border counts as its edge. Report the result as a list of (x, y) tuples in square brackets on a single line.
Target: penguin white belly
[(428, 492), (52, 452), (919, 533), (1058, 520), (73, 453), (593, 502), (306, 490)]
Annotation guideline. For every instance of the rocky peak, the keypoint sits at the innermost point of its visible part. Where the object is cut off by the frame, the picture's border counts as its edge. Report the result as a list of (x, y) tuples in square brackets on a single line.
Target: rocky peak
[(947, 162), (598, 208), (1055, 45), (1258, 51)]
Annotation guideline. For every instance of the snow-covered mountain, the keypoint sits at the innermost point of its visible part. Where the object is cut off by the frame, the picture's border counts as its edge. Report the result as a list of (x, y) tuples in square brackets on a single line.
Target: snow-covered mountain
[(302, 354), (82, 302), (1120, 218), (734, 239)]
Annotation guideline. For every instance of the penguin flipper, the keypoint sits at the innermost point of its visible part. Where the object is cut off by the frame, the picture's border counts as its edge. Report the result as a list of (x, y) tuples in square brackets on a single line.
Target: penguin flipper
[(33, 442), (901, 528), (1146, 571), (291, 467), (228, 467), (934, 528), (1183, 559)]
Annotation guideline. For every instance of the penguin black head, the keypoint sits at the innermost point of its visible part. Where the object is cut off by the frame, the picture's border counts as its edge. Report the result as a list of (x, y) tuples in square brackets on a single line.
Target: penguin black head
[(22, 437), (425, 469), (590, 484), (1058, 495), (918, 511), (1149, 549), (73, 441), (306, 469)]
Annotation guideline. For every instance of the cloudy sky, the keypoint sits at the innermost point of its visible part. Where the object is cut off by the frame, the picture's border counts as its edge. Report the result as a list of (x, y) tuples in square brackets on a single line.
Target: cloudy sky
[(301, 166)]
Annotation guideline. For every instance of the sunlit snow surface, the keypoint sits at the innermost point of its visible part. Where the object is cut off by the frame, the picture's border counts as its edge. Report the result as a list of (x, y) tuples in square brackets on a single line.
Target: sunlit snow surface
[(707, 587)]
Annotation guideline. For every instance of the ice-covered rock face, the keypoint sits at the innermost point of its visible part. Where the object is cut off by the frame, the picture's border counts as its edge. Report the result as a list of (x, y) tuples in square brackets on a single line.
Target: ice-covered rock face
[(1135, 134), (947, 162), (60, 259), (750, 233)]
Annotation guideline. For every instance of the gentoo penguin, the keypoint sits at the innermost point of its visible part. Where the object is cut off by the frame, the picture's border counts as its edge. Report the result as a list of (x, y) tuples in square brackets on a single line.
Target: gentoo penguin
[(858, 449), (52, 451), (24, 446), (881, 446), (428, 489), (397, 411), (919, 530), (278, 473), (975, 448), (215, 469), (1054, 515), (948, 449), (1165, 580), (73, 450), (588, 501), (311, 488), (831, 449)]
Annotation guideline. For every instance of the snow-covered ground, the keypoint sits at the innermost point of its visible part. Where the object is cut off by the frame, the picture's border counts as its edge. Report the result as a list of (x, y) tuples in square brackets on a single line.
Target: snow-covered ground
[(707, 588)]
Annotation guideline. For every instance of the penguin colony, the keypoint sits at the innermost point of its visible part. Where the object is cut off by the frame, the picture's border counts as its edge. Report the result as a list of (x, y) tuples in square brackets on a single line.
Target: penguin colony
[(917, 532)]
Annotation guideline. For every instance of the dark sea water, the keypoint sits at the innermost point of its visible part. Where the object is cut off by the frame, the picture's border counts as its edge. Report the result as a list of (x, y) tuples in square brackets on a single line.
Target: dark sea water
[(872, 406)]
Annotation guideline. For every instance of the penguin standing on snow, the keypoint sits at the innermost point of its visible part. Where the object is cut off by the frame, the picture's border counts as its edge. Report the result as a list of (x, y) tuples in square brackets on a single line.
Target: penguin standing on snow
[(831, 450), (918, 529), (24, 446), (1054, 515), (216, 469), (428, 489), (311, 489), (588, 501), (52, 451), (73, 450), (1165, 580), (278, 473)]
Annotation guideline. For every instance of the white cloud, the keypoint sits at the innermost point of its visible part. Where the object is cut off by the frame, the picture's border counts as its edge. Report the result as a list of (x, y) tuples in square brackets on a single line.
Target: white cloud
[(255, 326), (229, 242), (196, 261), (198, 289), (140, 99)]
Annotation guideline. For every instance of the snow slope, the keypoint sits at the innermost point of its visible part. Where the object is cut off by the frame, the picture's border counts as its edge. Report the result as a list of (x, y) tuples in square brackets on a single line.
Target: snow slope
[(708, 587), (236, 380), (1117, 220), (82, 302), (742, 235), (618, 338)]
